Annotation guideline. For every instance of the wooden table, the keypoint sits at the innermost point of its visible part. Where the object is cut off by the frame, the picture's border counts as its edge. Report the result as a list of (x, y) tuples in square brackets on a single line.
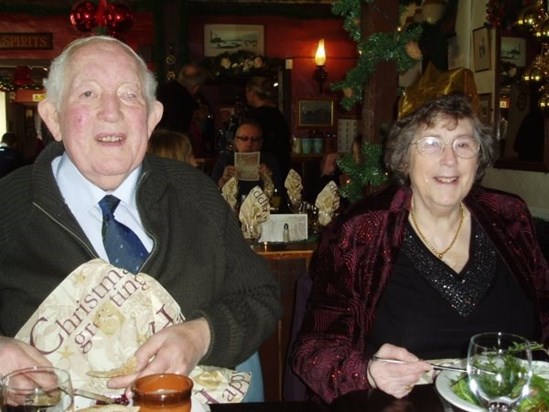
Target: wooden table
[(424, 398), (288, 261)]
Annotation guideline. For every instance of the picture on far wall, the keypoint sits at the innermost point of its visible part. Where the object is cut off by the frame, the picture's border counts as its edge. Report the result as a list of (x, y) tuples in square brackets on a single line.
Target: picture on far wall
[(316, 113), (513, 50), (481, 49), (221, 38)]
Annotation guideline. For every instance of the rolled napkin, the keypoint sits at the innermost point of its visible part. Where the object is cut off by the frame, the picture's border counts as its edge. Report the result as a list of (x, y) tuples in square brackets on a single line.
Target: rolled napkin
[(293, 186), (254, 210), (327, 202), (268, 186), (229, 191)]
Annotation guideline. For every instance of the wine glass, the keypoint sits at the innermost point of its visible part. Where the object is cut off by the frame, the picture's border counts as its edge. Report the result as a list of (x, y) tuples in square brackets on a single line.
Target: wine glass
[(499, 368), (37, 389), (251, 231)]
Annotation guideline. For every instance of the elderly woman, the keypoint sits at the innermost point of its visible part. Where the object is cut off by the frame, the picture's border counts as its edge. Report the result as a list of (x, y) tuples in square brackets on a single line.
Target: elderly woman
[(413, 272)]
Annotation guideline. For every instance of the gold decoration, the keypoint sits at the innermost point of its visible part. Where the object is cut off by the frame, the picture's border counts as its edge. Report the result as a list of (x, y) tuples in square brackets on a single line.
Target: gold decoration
[(434, 84)]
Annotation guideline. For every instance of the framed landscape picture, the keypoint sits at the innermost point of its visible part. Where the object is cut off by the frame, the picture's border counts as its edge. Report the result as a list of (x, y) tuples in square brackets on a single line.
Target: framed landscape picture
[(220, 38), (316, 113)]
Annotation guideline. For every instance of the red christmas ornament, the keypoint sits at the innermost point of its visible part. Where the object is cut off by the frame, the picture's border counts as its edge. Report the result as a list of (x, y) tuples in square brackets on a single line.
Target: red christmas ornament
[(119, 18), (22, 76), (83, 16)]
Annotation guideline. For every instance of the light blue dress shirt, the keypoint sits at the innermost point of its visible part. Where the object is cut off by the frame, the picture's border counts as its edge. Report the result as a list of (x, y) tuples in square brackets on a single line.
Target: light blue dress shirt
[(82, 197)]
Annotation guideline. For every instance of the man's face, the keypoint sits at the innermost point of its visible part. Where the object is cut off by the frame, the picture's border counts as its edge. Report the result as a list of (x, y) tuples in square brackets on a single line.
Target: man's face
[(103, 119), (248, 139)]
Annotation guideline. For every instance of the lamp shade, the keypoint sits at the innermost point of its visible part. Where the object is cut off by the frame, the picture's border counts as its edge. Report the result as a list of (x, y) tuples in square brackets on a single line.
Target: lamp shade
[(320, 56), (433, 10)]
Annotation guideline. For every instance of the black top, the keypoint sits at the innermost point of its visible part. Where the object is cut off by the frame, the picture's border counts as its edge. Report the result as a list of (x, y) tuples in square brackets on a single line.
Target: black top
[(276, 135), (179, 106), (10, 159), (433, 311)]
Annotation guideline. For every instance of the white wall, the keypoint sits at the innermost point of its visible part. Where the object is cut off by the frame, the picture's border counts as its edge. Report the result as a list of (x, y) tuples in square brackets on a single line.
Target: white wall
[(533, 187)]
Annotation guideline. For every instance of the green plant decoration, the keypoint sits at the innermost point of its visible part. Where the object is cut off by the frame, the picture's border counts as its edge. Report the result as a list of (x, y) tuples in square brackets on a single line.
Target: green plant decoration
[(366, 173), (399, 47)]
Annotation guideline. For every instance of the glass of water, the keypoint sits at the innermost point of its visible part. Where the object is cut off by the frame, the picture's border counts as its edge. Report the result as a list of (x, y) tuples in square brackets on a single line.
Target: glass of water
[(38, 389), (499, 368)]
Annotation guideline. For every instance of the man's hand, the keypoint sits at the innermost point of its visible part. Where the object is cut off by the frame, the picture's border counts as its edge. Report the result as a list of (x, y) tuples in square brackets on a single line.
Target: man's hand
[(265, 171), (176, 349), (15, 354), (229, 172)]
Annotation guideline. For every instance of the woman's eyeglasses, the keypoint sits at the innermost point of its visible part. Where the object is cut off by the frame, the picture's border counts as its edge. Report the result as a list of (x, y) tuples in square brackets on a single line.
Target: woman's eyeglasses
[(464, 147), (254, 139)]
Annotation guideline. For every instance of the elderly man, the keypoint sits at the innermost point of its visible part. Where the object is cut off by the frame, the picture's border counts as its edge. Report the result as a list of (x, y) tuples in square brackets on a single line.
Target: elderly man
[(101, 110), (248, 138)]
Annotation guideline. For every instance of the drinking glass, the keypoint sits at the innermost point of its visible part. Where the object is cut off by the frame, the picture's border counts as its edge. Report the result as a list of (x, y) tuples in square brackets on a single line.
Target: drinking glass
[(38, 389), (499, 368), (167, 392)]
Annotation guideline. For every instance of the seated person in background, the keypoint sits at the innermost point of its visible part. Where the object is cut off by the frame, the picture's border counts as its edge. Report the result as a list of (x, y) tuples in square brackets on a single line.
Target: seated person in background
[(101, 109), (10, 158), (414, 271), (247, 139), (173, 145)]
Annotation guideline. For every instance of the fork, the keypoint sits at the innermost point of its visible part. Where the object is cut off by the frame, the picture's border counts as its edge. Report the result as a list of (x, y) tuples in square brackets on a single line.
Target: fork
[(434, 365)]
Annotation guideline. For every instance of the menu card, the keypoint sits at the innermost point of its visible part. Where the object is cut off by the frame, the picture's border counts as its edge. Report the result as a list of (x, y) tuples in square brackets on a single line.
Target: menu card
[(247, 165)]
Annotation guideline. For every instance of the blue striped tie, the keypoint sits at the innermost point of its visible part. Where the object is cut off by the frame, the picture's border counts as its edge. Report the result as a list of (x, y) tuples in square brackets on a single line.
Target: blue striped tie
[(122, 245)]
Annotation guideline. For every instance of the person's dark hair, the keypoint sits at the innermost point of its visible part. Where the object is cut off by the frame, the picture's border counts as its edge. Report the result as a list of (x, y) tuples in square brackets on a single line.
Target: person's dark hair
[(455, 106), (262, 86), (250, 122), (10, 139)]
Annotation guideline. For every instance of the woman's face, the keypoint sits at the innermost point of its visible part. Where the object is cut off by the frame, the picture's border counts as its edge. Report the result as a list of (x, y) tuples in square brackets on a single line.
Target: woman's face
[(441, 180)]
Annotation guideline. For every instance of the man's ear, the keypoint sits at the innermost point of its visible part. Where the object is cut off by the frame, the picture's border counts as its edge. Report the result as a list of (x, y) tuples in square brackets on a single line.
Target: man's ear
[(155, 114), (50, 116)]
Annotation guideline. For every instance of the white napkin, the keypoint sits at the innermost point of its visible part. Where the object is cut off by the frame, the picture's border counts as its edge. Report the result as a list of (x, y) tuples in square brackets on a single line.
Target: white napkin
[(255, 209), (229, 191), (293, 186), (327, 202), (268, 185)]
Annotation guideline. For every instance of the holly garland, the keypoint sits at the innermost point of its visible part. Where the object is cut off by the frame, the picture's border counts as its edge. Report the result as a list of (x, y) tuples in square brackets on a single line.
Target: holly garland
[(366, 173), (400, 47)]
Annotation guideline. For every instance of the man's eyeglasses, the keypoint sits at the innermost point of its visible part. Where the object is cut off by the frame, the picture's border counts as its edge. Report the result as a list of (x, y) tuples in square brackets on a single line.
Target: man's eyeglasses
[(254, 139), (464, 147)]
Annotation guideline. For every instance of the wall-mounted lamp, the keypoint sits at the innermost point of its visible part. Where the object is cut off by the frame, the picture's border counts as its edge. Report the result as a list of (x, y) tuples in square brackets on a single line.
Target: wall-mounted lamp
[(320, 75)]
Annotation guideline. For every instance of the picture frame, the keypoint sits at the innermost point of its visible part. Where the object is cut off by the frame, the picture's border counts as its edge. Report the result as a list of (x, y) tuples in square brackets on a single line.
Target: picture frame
[(485, 106), (220, 38), (316, 113), (513, 50), (482, 57)]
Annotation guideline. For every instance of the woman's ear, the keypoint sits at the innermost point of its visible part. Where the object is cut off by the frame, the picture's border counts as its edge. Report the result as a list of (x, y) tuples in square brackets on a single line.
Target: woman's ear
[(50, 116)]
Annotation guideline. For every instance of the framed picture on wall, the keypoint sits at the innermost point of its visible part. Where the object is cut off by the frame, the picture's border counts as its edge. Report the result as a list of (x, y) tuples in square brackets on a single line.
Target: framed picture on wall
[(481, 49), (485, 102), (316, 113), (513, 50), (221, 38)]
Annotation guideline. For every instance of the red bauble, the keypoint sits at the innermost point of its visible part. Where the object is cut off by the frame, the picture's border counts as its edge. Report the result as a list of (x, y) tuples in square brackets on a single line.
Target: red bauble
[(119, 18), (83, 16)]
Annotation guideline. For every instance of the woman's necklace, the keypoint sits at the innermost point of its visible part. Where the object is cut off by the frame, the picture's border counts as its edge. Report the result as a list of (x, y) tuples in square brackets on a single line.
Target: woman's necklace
[(428, 244)]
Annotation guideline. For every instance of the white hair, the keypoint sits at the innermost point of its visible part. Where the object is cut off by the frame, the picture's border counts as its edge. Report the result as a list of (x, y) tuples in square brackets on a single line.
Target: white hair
[(58, 69)]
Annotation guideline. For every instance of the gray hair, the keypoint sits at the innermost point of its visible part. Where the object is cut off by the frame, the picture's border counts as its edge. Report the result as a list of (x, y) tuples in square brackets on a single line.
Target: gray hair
[(54, 84), (453, 107)]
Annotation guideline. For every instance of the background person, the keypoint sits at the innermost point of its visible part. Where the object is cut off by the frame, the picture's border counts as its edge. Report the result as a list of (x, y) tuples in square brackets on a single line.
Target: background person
[(414, 271), (172, 145), (101, 109), (261, 97), (248, 138), (10, 157)]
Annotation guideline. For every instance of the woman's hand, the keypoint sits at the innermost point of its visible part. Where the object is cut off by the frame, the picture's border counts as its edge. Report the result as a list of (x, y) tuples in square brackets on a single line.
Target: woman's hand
[(15, 354), (397, 379), (175, 349)]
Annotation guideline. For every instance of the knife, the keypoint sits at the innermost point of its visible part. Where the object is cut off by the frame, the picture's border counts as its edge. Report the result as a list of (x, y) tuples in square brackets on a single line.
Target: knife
[(434, 365)]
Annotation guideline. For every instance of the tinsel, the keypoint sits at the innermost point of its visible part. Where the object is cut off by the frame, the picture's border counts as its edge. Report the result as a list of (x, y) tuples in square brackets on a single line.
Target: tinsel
[(228, 65), (368, 172), (377, 48)]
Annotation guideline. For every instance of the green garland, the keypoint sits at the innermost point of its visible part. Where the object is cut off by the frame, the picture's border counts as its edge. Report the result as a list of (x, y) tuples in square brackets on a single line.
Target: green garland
[(367, 173), (377, 48)]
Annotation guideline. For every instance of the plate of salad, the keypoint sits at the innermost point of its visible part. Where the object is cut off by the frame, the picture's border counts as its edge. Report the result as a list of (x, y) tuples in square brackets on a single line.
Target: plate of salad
[(453, 387)]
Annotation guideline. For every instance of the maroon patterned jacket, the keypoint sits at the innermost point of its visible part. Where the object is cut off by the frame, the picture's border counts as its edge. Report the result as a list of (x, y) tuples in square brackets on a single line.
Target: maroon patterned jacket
[(354, 262)]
